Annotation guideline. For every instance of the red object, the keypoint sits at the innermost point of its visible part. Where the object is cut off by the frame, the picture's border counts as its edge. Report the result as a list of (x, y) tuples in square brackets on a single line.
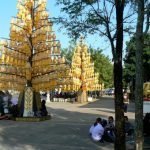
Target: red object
[(146, 99)]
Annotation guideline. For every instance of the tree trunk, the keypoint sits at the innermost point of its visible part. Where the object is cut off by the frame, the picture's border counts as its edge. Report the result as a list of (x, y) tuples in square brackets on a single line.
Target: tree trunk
[(119, 113), (36, 102), (139, 78), (82, 96)]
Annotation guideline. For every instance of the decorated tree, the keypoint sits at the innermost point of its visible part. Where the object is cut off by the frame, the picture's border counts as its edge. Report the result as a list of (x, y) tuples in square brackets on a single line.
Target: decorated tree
[(30, 60), (102, 63), (81, 76)]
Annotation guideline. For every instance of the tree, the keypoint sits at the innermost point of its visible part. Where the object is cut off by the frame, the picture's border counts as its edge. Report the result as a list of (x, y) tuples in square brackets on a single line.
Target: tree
[(82, 77), (68, 52), (129, 63), (102, 64), (139, 77), (129, 67), (94, 16), (31, 61)]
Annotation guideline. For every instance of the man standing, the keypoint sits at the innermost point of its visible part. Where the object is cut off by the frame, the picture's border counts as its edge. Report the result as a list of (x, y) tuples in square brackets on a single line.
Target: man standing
[(126, 101)]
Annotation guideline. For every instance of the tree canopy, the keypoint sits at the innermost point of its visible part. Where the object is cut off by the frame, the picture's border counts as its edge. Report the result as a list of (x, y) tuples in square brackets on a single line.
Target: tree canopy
[(103, 66), (129, 60)]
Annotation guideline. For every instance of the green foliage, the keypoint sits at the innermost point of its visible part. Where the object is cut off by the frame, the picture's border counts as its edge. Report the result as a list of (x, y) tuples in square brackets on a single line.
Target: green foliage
[(67, 53), (129, 61), (103, 66), (81, 16)]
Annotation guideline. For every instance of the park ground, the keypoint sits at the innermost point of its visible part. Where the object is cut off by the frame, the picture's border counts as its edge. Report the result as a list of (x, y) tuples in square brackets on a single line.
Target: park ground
[(67, 130)]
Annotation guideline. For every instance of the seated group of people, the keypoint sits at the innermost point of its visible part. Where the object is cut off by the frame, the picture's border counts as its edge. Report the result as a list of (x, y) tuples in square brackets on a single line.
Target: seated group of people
[(104, 130), (14, 111)]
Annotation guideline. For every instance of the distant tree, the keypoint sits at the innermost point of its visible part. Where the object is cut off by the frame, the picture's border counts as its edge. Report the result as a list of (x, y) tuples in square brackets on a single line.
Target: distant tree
[(67, 53), (103, 66)]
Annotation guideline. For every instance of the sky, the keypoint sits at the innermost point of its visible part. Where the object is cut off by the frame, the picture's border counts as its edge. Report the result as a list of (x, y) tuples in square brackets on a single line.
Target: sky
[(8, 9)]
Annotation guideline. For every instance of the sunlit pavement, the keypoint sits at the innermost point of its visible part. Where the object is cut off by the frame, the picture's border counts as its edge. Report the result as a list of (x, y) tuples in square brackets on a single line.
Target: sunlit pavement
[(67, 130)]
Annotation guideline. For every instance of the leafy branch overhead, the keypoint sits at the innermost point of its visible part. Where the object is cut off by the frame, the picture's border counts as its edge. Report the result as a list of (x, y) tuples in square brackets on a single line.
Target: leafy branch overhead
[(129, 70), (93, 17)]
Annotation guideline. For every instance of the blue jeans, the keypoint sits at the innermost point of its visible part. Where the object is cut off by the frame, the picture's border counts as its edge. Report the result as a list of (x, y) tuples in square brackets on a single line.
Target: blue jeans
[(125, 108)]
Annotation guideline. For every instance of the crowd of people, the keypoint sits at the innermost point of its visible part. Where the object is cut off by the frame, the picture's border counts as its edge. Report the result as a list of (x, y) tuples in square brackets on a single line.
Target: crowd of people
[(104, 130)]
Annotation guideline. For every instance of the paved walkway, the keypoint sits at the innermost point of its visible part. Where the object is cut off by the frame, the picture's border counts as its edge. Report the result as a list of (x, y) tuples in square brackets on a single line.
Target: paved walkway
[(67, 130)]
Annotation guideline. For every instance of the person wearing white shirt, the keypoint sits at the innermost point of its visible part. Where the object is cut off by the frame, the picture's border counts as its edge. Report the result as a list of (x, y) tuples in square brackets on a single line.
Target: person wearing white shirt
[(91, 129), (97, 130)]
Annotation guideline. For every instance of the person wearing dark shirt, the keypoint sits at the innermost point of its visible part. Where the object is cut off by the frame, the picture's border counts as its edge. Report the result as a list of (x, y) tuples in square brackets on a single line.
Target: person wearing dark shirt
[(110, 130), (129, 130), (43, 108), (146, 124)]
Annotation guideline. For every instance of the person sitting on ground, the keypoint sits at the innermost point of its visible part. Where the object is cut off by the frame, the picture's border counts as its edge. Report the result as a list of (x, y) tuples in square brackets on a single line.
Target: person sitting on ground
[(4, 117), (97, 130), (109, 133), (14, 110), (1, 107), (146, 124), (104, 123), (129, 130), (43, 108), (92, 127)]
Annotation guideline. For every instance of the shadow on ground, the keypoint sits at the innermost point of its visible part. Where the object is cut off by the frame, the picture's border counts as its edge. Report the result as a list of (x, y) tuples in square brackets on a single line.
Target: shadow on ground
[(66, 131), (107, 103)]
